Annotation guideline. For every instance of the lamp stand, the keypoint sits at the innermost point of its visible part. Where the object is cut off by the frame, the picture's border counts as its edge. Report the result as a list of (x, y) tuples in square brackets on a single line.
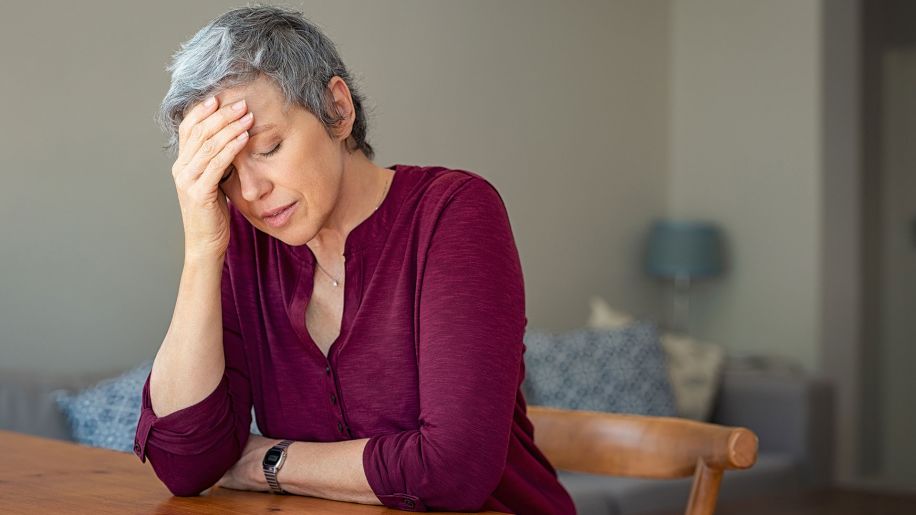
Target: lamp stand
[(680, 316)]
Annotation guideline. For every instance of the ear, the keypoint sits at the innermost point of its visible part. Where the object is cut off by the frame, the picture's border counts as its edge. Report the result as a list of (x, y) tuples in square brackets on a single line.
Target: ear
[(343, 105)]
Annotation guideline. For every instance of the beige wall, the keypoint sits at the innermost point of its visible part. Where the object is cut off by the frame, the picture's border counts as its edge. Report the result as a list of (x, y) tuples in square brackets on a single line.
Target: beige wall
[(765, 140), (745, 152), (563, 106)]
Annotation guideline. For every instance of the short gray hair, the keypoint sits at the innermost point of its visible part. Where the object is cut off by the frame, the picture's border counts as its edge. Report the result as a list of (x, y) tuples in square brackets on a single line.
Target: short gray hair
[(239, 46)]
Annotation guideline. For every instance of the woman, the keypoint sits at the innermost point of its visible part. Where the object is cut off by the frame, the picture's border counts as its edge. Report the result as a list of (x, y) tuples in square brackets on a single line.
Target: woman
[(373, 317)]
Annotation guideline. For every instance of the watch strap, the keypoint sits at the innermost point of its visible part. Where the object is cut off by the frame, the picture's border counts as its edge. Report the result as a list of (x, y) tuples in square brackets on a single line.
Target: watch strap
[(271, 472)]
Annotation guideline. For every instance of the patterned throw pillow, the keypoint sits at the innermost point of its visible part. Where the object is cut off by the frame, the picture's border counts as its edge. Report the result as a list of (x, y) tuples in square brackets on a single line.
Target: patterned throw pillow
[(694, 368), (619, 370), (105, 415)]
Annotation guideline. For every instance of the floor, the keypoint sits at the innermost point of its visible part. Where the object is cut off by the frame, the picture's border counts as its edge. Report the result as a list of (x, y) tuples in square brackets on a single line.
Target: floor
[(825, 502)]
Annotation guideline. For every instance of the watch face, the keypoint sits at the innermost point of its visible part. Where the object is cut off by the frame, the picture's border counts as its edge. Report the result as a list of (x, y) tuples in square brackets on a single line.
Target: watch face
[(272, 457)]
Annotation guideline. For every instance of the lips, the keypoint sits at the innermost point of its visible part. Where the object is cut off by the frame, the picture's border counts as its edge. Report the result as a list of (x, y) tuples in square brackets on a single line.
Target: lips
[(275, 212), (280, 217)]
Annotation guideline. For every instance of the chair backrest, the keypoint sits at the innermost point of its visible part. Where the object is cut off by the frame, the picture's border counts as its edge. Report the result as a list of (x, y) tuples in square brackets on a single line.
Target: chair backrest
[(641, 446)]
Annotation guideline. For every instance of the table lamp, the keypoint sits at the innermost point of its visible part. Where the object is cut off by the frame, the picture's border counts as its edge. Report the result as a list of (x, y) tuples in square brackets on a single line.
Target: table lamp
[(683, 251)]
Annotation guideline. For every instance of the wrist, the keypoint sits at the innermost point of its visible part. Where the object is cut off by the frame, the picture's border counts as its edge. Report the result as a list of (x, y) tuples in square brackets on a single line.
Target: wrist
[(204, 260), (272, 464)]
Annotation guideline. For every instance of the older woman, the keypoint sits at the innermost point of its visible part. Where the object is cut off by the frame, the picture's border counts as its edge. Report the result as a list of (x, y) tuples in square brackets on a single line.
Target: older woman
[(373, 317)]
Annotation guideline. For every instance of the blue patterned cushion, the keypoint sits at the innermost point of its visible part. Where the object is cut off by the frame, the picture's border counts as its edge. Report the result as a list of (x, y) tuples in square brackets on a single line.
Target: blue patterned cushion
[(613, 370), (105, 415)]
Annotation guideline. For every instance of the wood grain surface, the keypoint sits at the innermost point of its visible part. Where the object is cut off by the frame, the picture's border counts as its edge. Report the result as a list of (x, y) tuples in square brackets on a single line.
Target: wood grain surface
[(40, 475)]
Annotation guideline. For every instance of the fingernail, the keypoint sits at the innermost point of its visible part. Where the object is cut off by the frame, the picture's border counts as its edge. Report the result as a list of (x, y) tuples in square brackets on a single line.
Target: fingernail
[(238, 105), (247, 117), (243, 136), (210, 101)]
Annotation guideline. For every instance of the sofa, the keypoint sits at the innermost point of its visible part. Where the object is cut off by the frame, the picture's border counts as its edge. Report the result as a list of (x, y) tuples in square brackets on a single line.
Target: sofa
[(790, 412)]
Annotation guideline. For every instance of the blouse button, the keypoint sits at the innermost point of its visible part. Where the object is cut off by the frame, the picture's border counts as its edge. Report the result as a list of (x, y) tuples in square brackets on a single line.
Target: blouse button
[(340, 427), (333, 399), (327, 370)]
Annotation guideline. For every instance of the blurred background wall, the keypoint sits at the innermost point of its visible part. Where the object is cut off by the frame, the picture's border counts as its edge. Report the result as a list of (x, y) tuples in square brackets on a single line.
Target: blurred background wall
[(745, 151), (564, 107)]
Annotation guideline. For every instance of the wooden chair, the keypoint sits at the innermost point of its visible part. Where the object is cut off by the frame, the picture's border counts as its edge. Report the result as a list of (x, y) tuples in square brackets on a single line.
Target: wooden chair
[(641, 446)]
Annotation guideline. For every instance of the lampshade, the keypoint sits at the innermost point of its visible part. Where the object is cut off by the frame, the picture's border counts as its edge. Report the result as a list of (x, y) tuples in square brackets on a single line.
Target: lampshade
[(690, 249)]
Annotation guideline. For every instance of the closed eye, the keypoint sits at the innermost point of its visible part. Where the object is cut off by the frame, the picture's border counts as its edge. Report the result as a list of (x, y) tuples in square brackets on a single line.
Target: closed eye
[(231, 168), (272, 151)]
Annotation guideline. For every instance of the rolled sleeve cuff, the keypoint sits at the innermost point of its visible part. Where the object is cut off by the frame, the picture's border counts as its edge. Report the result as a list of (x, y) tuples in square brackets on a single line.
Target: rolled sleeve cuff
[(375, 475), (190, 430), (404, 502)]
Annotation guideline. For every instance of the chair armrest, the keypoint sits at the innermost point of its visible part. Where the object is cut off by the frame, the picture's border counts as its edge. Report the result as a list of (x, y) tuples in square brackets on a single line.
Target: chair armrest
[(790, 413), (636, 445)]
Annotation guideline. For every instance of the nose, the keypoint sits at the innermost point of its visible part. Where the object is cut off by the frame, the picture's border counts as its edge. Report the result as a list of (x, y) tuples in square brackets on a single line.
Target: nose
[(252, 184)]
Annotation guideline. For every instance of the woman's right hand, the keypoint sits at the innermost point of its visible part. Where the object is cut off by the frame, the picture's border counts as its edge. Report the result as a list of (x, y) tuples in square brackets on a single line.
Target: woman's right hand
[(209, 138)]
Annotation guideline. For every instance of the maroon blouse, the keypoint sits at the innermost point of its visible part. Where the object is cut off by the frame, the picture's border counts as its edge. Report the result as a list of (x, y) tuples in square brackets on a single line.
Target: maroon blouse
[(428, 364)]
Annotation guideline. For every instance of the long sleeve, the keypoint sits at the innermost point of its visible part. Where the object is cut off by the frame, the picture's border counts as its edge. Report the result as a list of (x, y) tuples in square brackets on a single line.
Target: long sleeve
[(192, 448), (471, 321)]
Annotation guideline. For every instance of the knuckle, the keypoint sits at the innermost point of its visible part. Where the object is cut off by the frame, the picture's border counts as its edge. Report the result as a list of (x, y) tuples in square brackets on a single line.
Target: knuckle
[(195, 193), (196, 132), (208, 147), (228, 114), (179, 167), (180, 185), (218, 160)]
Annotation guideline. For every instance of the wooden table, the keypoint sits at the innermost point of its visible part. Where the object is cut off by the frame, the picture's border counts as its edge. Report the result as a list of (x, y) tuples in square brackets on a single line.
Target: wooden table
[(40, 475)]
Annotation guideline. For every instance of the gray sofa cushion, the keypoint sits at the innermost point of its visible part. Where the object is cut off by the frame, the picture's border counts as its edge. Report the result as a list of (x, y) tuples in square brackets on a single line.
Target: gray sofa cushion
[(790, 413), (606, 495), (26, 404)]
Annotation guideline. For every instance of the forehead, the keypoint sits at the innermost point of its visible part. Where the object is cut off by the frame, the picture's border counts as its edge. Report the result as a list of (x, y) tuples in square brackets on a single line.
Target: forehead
[(262, 96)]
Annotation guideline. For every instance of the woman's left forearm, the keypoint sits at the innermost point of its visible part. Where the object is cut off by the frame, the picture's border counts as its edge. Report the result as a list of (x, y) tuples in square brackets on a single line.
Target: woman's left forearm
[(332, 470)]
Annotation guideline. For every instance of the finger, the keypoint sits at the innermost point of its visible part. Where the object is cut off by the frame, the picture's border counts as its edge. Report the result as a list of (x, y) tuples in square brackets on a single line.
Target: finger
[(197, 113), (200, 132), (216, 169), (215, 145)]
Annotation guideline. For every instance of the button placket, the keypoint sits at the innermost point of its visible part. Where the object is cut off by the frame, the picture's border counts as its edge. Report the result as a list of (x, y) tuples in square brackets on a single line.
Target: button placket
[(333, 397), (343, 427)]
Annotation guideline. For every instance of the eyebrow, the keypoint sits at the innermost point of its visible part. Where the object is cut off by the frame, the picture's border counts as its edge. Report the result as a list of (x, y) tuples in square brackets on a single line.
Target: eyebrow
[(260, 128)]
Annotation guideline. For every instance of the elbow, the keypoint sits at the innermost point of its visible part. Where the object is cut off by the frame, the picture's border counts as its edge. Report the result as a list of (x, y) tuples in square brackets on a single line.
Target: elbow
[(188, 476), (459, 497), (410, 471), (184, 489), (461, 486), (188, 486)]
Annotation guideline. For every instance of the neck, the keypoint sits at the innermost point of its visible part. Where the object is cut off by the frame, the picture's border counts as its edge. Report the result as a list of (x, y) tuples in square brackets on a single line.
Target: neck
[(362, 185)]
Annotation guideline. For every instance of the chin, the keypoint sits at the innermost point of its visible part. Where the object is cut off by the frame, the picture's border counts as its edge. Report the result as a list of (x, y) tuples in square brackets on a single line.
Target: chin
[(286, 235), (296, 235)]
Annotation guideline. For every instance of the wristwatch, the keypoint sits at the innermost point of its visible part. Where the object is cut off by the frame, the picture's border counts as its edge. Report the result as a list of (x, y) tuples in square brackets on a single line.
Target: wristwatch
[(273, 462)]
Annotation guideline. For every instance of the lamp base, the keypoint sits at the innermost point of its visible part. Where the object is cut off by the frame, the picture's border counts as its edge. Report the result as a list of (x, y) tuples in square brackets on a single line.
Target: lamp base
[(680, 306)]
